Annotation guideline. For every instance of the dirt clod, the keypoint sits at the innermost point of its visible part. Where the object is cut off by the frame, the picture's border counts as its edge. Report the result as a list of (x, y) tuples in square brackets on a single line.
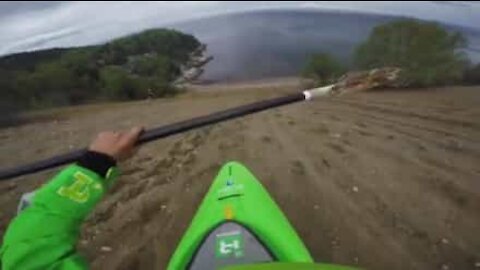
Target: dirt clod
[(106, 249)]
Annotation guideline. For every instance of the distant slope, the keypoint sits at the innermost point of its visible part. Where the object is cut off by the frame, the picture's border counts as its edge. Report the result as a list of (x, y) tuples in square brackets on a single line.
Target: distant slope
[(132, 67), (262, 44), (167, 42), (28, 60)]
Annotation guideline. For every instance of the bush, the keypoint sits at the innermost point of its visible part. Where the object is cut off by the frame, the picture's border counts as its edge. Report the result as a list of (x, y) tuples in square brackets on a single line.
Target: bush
[(427, 54), (134, 67), (323, 69), (159, 66), (472, 75), (116, 84)]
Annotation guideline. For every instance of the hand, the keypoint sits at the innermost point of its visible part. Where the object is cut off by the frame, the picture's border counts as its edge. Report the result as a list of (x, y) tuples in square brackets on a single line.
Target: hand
[(118, 145)]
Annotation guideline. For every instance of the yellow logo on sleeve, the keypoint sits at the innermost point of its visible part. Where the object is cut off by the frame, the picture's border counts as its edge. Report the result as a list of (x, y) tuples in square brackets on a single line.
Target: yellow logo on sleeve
[(79, 190)]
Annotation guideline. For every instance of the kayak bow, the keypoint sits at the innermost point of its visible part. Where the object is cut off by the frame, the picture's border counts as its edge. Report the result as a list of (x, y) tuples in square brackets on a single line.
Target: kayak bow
[(237, 223)]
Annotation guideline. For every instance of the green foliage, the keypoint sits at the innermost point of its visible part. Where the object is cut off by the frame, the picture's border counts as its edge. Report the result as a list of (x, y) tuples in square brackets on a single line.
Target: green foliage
[(472, 75), (159, 66), (134, 67), (28, 61), (115, 84), (10, 100), (323, 68), (426, 52), (161, 42), (50, 84)]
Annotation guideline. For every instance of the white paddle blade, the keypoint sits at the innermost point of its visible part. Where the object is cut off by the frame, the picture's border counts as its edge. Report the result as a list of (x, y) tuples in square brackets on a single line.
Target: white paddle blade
[(317, 92)]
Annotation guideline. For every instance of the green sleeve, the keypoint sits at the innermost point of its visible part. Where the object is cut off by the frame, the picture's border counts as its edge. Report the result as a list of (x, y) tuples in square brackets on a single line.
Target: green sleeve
[(44, 235)]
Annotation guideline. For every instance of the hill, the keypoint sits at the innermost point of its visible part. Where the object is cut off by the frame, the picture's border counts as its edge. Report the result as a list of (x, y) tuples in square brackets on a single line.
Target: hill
[(131, 67)]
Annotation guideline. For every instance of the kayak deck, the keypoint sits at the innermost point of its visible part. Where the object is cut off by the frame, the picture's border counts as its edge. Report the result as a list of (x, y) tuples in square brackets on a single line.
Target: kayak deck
[(237, 223)]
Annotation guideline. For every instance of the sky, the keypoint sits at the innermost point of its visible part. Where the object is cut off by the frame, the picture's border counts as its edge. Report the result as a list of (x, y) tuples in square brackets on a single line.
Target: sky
[(26, 26)]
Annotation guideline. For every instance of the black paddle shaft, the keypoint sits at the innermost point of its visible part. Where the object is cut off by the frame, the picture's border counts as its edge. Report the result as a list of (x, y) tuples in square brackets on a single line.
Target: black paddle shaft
[(158, 133)]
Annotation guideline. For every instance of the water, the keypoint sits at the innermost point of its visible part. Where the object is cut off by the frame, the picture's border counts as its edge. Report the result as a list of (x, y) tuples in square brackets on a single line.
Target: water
[(265, 44)]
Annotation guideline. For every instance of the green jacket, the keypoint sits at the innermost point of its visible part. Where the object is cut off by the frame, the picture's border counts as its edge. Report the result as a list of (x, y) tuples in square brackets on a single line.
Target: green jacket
[(44, 235)]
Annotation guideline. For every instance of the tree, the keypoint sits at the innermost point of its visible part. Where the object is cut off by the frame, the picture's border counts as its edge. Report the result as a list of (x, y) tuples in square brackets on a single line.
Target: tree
[(323, 68), (50, 84), (472, 75), (133, 67), (117, 85), (10, 100), (427, 53), (158, 65)]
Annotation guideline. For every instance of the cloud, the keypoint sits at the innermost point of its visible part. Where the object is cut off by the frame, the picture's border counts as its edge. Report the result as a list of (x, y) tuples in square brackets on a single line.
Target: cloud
[(12, 7), (453, 3), (42, 40), (36, 25)]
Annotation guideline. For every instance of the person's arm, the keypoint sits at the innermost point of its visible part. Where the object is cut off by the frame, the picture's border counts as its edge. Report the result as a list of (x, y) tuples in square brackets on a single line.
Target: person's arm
[(44, 235)]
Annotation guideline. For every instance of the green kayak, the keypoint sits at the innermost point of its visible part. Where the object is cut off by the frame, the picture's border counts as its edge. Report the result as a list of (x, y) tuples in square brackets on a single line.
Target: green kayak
[(239, 224)]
